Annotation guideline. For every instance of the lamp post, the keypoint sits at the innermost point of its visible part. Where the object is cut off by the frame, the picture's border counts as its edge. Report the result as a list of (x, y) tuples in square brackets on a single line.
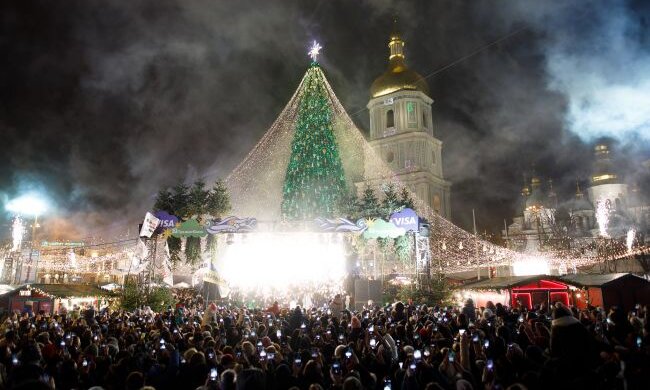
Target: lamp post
[(32, 205)]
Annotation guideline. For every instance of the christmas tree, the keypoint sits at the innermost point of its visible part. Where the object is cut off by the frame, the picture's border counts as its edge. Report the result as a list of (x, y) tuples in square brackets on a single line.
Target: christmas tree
[(314, 183), (369, 203)]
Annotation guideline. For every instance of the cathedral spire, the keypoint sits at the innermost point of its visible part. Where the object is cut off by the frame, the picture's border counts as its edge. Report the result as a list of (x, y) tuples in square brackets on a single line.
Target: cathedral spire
[(579, 193), (396, 44)]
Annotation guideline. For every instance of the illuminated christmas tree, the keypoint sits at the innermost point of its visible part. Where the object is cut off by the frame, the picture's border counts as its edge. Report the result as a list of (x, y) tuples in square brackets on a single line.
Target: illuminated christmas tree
[(314, 183)]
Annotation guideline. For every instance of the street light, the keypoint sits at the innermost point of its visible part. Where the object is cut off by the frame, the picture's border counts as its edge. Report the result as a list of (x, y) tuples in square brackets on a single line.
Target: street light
[(33, 205), (28, 204)]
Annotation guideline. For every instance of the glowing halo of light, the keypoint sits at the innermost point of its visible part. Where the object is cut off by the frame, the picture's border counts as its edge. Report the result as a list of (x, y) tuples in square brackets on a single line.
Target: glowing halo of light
[(532, 265), (29, 204), (275, 263)]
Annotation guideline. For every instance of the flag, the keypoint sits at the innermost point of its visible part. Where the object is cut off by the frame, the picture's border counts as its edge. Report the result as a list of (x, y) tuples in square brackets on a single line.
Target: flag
[(149, 225), (141, 250), (168, 276)]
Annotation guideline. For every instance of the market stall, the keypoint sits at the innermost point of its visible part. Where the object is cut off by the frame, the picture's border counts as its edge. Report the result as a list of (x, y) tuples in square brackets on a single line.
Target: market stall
[(53, 298), (517, 290), (607, 290)]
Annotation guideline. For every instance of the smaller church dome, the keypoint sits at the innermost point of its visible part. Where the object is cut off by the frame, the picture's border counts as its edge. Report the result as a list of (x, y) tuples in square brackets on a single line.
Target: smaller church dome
[(398, 76), (603, 172)]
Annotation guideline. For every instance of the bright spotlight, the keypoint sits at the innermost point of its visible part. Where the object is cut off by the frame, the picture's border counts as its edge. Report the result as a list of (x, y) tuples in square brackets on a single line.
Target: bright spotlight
[(280, 264), (28, 204), (530, 266)]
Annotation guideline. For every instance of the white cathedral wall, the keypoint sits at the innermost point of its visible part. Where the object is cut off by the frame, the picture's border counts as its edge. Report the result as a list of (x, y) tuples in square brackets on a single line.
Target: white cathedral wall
[(604, 192)]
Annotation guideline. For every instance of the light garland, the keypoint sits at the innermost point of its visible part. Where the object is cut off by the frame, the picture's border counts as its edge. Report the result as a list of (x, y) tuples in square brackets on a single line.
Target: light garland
[(256, 189)]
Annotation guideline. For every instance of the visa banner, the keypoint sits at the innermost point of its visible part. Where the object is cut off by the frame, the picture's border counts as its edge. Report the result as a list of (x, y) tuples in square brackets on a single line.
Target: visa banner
[(406, 219)]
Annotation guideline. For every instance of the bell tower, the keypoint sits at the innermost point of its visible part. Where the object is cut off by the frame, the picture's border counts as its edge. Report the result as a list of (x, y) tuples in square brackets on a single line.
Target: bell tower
[(402, 129)]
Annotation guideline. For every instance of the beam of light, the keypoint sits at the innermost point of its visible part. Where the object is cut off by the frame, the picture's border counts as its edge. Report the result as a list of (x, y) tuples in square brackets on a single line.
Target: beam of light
[(284, 265), (17, 233), (28, 204), (533, 265), (602, 217), (629, 239)]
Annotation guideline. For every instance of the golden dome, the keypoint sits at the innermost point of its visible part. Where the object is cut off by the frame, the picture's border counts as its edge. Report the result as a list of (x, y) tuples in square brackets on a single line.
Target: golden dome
[(604, 172), (398, 76)]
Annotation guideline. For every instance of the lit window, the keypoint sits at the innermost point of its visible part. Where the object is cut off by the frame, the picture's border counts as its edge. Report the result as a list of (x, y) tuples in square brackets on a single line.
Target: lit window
[(410, 114)]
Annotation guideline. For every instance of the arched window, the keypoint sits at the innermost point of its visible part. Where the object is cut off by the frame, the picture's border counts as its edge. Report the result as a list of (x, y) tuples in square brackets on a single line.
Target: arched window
[(436, 203), (424, 119), (390, 156), (390, 119)]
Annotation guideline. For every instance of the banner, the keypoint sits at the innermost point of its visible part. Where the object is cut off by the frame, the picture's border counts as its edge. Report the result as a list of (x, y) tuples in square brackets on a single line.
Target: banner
[(378, 228), (63, 244), (167, 274), (189, 228), (340, 225), (407, 219), (149, 225), (167, 221), (232, 225), (141, 250), (211, 277)]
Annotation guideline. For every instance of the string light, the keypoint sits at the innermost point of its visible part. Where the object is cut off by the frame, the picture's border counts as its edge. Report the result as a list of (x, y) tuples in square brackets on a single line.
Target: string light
[(256, 189)]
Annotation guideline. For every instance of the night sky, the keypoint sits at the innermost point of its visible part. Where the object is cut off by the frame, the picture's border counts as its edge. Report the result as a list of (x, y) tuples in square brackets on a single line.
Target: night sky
[(105, 102)]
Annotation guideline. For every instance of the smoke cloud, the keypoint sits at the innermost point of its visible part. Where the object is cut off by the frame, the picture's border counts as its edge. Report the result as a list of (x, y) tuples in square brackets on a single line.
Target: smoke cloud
[(104, 103)]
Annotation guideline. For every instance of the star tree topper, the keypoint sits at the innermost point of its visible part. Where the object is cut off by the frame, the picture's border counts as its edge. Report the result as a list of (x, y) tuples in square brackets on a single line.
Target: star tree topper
[(314, 51)]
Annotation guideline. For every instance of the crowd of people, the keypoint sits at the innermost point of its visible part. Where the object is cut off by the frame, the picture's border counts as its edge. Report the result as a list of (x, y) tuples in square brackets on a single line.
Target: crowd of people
[(201, 345)]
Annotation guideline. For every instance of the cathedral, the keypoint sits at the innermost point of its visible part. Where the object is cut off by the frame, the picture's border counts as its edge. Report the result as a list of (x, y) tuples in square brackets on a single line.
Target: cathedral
[(402, 129), (610, 208)]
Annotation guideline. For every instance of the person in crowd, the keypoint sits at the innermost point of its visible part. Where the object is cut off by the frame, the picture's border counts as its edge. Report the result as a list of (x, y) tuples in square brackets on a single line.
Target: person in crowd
[(337, 306), (469, 310), (403, 346)]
